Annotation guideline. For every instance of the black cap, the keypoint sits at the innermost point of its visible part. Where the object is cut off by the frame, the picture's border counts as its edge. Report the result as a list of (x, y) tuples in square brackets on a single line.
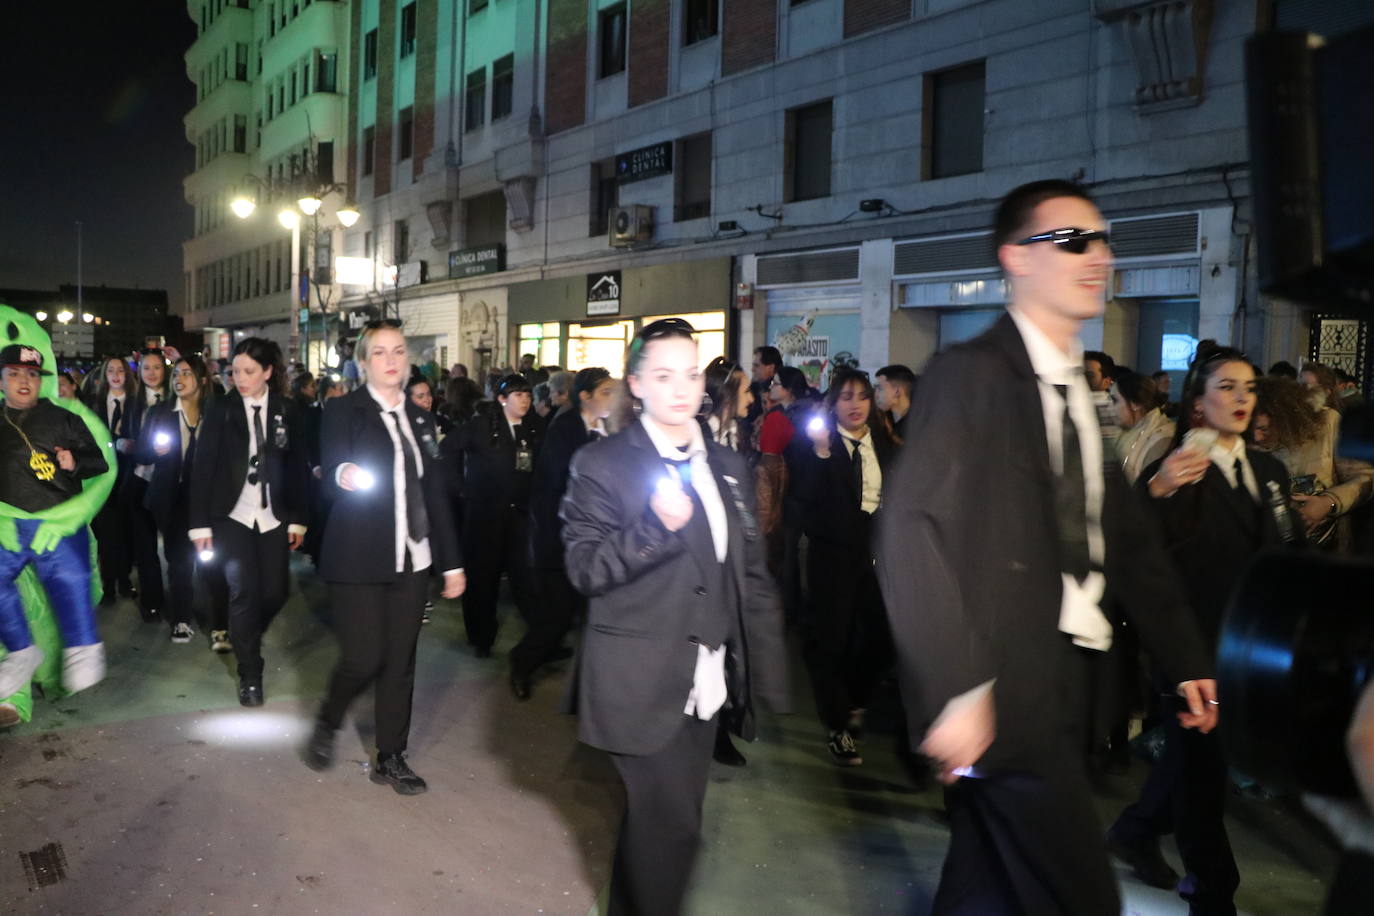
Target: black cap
[(20, 356)]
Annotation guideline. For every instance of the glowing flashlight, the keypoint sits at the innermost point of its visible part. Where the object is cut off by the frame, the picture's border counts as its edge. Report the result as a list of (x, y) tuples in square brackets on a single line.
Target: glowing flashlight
[(363, 480), (206, 555), (817, 425), (162, 439)]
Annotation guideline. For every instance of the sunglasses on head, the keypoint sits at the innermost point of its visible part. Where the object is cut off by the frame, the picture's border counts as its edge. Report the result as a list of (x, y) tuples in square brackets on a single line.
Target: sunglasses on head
[(1074, 241), (378, 323)]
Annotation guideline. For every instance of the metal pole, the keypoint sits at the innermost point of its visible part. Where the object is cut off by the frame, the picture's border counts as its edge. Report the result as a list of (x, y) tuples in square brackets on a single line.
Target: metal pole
[(295, 343), (78, 268)]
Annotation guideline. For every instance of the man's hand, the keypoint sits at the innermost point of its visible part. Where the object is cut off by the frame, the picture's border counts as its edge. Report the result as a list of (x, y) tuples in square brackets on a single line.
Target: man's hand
[(65, 460), (455, 583), (962, 734), (173, 355), (1201, 697)]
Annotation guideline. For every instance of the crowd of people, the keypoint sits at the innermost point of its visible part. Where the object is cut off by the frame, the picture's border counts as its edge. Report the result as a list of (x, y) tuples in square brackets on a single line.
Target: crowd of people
[(1033, 539)]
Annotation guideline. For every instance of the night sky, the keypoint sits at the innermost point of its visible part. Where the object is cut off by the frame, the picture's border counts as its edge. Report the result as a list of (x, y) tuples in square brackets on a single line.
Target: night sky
[(92, 104)]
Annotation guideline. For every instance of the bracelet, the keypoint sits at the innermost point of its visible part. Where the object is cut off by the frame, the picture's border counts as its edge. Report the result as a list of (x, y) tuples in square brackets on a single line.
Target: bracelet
[(1334, 505)]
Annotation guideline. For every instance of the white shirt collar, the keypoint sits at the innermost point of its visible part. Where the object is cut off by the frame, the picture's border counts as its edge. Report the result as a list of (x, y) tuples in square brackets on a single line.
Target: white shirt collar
[(257, 402), (1050, 363), (381, 402), (667, 449), (1227, 456), (176, 406)]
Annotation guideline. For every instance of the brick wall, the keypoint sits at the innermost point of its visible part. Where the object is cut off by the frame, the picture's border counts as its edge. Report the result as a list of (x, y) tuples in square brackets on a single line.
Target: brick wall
[(565, 90), (386, 98), (355, 76), (749, 34), (648, 51), (426, 62), (865, 15)]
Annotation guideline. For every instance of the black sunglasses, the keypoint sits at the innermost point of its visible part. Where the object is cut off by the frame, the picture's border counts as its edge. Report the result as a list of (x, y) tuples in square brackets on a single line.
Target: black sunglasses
[(377, 324), (1074, 241)]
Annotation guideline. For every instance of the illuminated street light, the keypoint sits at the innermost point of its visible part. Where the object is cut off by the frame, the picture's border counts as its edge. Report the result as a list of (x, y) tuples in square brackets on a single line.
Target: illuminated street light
[(65, 316), (348, 215), (87, 317), (310, 204), (243, 207), (289, 219), (41, 316)]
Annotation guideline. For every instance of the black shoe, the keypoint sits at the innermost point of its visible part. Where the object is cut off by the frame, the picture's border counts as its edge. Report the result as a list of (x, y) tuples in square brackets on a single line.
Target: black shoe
[(725, 752), (392, 770), (521, 686), (127, 590), (1145, 860), (150, 615), (482, 651), (250, 691), (842, 750), (318, 752)]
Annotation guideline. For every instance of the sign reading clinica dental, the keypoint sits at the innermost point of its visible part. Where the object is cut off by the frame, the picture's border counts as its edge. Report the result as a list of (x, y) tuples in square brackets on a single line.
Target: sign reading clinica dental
[(603, 293), (645, 162), (473, 262)]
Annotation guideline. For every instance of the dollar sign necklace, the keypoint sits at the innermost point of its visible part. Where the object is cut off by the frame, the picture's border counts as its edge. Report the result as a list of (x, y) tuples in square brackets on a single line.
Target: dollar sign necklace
[(41, 465)]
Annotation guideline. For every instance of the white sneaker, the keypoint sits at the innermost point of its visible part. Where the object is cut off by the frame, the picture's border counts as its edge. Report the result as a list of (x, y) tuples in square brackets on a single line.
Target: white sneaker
[(17, 670), (219, 642), (9, 715), (182, 632), (83, 666)]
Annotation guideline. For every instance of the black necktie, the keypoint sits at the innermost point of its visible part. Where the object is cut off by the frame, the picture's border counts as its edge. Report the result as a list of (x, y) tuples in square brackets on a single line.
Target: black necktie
[(1070, 498), (856, 467), (189, 458), (1239, 478), (116, 417), (258, 439), (417, 518)]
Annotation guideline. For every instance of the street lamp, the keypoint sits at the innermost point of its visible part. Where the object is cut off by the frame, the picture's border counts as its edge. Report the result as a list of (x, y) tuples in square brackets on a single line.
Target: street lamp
[(289, 219), (65, 316), (41, 316), (243, 207), (348, 215), (310, 204)]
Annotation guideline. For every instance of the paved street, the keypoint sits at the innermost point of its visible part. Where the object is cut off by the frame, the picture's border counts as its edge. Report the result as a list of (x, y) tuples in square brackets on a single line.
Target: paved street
[(154, 793)]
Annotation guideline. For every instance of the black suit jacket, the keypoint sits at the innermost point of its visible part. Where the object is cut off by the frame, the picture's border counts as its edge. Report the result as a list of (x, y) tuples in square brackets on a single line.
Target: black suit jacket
[(165, 488), (637, 658), (222, 461), (564, 436), (492, 485), (1213, 532), (968, 554), (360, 535), (824, 489)]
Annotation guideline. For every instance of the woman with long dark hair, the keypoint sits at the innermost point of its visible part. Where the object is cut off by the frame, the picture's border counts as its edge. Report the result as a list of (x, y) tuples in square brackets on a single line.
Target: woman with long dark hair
[(154, 387), (248, 499), (114, 391), (1145, 431), (1219, 504), (729, 399), (168, 444), (683, 624)]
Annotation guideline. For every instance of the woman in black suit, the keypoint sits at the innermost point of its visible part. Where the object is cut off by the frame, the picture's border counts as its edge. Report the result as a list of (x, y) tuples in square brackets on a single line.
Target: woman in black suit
[(167, 444), (683, 623), (115, 391), (153, 389), (1220, 504), (380, 456), (248, 499), (839, 466)]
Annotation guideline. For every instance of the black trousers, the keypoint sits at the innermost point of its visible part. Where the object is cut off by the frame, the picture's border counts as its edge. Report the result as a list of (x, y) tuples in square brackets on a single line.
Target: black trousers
[(1029, 841), (255, 567), (547, 621), (1186, 793), (141, 532), (112, 544), (183, 566), (497, 544), (849, 646), (378, 625), (661, 831)]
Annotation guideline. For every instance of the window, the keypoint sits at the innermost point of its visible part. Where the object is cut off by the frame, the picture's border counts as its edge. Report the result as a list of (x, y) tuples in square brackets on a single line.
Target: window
[(692, 178), (324, 162), (952, 122), (367, 244), (605, 195), (240, 133), (406, 140), (291, 81), (241, 61), (257, 142), (271, 19), (259, 57), (612, 36), (484, 220), (475, 100), (369, 149), (370, 55), (407, 30), (326, 71), (543, 340), (324, 256), (502, 87), (476, 6), (806, 154), (701, 20), (281, 94), (400, 242)]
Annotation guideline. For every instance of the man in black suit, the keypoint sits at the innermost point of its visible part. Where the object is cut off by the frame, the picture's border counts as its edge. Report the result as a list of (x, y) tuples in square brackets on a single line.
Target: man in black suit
[(894, 389), (500, 449), (1002, 531)]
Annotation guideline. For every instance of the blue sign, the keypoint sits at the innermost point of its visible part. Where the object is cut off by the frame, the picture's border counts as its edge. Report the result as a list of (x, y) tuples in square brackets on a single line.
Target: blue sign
[(1176, 352)]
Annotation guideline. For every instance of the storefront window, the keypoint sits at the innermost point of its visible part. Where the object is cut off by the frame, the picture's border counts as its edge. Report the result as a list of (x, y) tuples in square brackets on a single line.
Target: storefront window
[(599, 345), (710, 332), (1168, 332), (543, 340)]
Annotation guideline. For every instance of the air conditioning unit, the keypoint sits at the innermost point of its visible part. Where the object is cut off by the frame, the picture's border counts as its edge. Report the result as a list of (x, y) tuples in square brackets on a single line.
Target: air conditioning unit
[(631, 224)]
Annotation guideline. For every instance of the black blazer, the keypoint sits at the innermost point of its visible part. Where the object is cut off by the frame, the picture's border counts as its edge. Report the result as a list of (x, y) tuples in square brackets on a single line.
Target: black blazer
[(222, 461), (637, 658), (968, 549), (824, 489), (564, 436), (166, 488), (492, 485), (1213, 532)]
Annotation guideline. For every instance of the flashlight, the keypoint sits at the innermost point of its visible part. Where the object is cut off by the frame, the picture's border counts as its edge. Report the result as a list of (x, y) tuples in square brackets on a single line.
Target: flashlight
[(162, 439), (667, 485), (363, 480), (206, 555), (817, 425)]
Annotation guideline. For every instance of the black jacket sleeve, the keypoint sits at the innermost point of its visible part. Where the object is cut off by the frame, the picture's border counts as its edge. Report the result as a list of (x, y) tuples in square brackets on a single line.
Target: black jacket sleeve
[(203, 469), (90, 460)]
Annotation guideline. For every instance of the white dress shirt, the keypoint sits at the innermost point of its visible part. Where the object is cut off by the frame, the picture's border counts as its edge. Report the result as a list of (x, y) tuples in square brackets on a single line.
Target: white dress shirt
[(1225, 460), (188, 432), (1080, 612), (151, 399), (872, 495), (708, 693)]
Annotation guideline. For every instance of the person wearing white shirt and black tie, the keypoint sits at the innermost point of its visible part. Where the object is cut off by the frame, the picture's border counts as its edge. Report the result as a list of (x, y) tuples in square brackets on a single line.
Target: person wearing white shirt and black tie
[(248, 499), (683, 621), (379, 453), (153, 389), (115, 391)]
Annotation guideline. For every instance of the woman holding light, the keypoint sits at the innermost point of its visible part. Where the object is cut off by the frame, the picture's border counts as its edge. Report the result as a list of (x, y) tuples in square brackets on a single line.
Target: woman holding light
[(379, 453)]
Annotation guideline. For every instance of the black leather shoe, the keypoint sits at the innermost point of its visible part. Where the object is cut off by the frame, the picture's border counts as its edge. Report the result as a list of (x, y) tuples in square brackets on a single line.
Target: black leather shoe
[(725, 752), (150, 615), (392, 770), (318, 752), (1145, 860), (127, 590), (521, 686), (482, 651), (250, 692)]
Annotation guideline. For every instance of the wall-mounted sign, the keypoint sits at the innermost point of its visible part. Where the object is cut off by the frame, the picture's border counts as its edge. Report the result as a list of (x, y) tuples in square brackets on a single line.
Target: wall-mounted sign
[(354, 271), (646, 162), (474, 262), (603, 293)]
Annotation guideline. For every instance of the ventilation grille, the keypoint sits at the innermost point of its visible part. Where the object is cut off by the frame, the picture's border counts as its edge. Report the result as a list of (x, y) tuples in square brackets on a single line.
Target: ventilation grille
[(809, 267), (1155, 235), (968, 252)]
